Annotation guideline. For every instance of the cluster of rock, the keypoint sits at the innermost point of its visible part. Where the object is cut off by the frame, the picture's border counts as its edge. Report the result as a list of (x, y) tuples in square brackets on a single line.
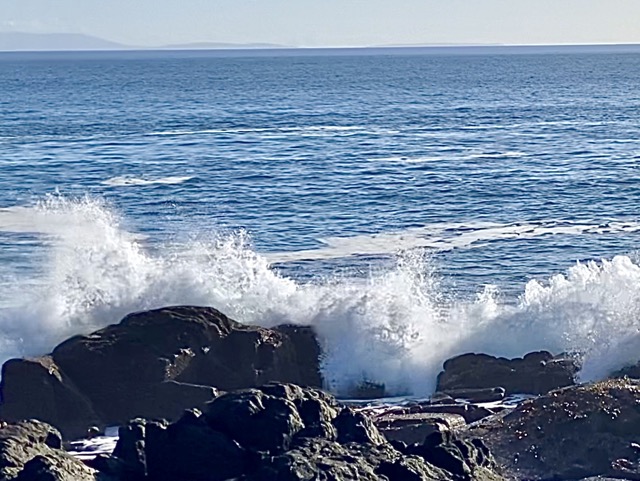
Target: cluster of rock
[(153, 364), (160, 375), (277, 432), (535, 373)]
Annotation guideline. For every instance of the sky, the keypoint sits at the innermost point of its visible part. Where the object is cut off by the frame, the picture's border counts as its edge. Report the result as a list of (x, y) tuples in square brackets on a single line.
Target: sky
[(331, 23)]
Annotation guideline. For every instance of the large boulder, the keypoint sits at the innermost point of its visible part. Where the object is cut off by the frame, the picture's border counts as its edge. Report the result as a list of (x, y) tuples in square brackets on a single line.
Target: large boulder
[(32, 451), (570, 433), (154, 364), (535, 373), (37, 388)]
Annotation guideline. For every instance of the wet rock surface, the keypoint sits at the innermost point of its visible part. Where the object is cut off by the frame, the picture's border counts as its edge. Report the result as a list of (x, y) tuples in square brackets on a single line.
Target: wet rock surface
[(571, 433)]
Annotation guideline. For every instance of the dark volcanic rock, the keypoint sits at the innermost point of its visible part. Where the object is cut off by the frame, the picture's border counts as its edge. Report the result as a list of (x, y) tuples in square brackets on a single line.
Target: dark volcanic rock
[(59, 468), (189, 449), (536, 373), (154, 364), (31, 451), (131, 451), (306, 353), (355, 427), (463, 459), (37, 388), (571, 433), (413, 428), (323, 460), (284, 432), (477, 395), (258, 421), (632, 371)]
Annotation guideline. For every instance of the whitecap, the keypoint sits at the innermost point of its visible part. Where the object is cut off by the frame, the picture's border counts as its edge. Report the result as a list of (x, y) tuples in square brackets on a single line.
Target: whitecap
[(127, 181)]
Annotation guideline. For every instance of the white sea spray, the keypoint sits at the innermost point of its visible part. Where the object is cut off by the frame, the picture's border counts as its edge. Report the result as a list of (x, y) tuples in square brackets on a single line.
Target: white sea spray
[(393, 325)]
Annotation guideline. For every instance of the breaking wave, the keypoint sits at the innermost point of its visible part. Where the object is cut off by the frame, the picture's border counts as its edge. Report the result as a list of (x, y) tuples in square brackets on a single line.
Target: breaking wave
[(393, 326)]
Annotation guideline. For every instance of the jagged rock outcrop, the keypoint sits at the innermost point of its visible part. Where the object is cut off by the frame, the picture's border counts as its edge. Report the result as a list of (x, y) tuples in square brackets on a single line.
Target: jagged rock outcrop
[(154, 364), (535, 373), (285, 432), (570, 433)]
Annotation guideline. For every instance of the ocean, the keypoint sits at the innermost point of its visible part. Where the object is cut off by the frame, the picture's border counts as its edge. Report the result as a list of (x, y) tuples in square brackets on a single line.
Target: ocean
[(411, 204)]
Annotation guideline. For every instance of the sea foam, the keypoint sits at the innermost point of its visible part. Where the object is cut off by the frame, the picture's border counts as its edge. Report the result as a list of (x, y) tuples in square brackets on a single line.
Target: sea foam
[(393, 325), (126, 181)]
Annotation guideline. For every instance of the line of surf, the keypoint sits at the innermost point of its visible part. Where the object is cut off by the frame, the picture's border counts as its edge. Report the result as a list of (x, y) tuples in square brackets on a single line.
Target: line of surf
[(445, 237)]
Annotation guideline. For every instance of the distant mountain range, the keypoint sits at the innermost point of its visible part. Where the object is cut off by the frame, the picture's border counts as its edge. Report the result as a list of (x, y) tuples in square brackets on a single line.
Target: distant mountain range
[(40, 42), (219, 45), (17, 41)]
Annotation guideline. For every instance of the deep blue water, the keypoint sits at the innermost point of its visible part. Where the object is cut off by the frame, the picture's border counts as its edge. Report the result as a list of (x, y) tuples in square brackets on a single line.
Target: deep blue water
[(505, 168), (298, 148)]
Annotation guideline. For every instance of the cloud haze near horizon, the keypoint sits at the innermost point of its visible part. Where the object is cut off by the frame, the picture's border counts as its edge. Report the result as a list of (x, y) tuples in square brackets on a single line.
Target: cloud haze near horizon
[(331, 22)]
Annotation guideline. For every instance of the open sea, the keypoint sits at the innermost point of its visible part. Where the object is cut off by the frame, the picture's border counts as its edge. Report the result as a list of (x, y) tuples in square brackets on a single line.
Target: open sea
[(411, 204)]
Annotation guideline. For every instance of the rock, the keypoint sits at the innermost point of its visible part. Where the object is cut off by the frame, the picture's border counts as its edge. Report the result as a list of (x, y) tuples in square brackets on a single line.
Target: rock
[(285, 432), (408, 468), (632, 371), (355, 427), (37, 388), (167, 400), (58, 468), (257, 421), (486, 395), (571, 433), (131, 451), (414, 428), (307, 352), (320, 459), (464, 459), (366, 390), (470, 412), (31, 451), (23, 441), (189, 449), (536, 373), (154, 364)]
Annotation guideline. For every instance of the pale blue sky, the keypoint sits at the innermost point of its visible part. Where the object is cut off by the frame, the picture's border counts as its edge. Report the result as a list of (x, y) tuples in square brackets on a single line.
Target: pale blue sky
[(331, 22)]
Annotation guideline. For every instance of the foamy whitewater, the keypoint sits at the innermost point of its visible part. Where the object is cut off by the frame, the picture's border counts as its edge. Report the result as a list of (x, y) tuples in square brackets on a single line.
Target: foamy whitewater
[(393, 326)]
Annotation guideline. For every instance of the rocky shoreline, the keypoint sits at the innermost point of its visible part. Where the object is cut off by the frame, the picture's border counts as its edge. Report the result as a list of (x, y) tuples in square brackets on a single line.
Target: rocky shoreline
[(199, 396)]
